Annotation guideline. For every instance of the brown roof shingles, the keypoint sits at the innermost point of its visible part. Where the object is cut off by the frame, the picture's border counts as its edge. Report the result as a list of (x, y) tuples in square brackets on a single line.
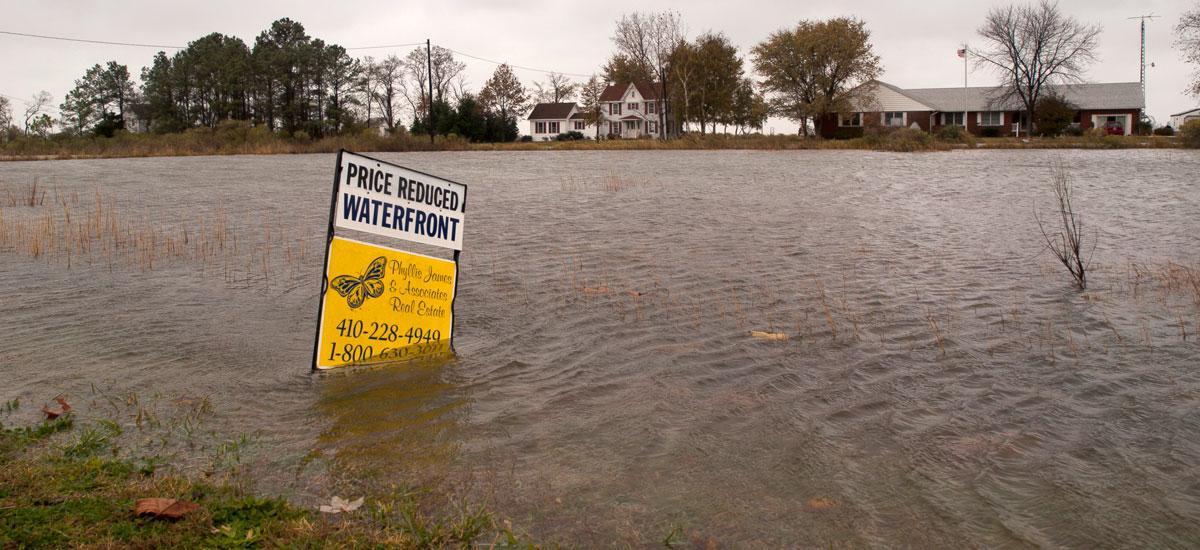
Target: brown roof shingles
[(551, 111), (615, 92)]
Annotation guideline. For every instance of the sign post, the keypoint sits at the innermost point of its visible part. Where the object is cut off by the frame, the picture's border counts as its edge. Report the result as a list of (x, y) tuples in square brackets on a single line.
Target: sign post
[(380, 303)]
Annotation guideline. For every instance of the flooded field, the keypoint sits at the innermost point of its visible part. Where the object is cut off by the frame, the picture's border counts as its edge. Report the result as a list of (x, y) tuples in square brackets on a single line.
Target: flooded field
[(814, 349)]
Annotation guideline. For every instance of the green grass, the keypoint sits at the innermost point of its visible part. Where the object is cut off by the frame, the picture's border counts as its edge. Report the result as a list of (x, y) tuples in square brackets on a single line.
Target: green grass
[(63, 485)]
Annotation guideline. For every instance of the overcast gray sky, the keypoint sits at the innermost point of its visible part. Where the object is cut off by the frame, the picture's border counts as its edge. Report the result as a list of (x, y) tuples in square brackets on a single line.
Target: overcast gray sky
[(916, 40)]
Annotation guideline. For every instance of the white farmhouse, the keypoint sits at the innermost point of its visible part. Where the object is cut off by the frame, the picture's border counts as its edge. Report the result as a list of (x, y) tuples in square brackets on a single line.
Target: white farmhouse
[(631, 110), (548, 120)]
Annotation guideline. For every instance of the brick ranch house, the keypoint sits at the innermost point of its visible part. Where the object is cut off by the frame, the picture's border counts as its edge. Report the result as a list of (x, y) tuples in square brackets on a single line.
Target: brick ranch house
[(1114, 105), (630, 111)]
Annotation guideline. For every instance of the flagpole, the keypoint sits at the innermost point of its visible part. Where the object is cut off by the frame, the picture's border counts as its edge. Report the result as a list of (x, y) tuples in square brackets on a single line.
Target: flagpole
[(964, 94)]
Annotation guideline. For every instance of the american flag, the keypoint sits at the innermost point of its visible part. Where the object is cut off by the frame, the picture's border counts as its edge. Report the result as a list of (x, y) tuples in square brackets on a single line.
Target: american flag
[(962, 52)]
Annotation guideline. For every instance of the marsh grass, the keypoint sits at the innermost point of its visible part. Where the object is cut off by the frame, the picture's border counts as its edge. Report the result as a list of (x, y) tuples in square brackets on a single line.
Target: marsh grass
[(99, 232)]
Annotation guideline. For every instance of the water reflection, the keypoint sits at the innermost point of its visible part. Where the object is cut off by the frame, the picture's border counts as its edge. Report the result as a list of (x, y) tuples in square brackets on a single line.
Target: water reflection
[(396, 420)]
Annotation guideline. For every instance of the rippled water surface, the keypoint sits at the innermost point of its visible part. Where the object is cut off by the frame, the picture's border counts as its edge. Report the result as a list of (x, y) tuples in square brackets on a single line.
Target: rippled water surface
[(941, 384)]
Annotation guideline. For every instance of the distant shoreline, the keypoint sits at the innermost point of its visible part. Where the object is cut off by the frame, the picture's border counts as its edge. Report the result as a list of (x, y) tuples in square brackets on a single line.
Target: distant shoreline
[(215, 143)]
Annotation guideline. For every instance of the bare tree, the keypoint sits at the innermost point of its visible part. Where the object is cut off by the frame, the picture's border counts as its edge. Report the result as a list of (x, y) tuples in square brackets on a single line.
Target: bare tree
[(447, 72), (1187, 39), (389, 75), (1067, 243), (5, 113), (557, 89), (651, 39), (368, 85), (33, 108), (1032, 46)]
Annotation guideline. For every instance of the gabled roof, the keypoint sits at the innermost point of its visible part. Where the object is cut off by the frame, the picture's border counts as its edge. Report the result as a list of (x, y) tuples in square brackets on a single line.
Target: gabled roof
[(616, 92), (578, 116), (551, 111), (631, 117), (1114, 95), (1195, 111)]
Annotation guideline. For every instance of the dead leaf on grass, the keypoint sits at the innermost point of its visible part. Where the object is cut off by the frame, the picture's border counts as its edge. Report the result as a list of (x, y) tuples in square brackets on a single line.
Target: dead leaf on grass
[(63, 408), (164, 508)]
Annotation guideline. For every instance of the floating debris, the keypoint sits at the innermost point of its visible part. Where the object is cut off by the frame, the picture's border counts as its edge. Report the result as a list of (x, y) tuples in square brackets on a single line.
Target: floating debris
[(818, 503), (772, 336), (337, 505)]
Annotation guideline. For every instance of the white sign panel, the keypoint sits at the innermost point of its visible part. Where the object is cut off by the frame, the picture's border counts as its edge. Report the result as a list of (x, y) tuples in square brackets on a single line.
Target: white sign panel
[(385, 199)]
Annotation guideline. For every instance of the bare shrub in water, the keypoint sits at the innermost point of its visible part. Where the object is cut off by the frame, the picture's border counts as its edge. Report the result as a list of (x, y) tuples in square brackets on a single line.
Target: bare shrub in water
[(1067, 243)]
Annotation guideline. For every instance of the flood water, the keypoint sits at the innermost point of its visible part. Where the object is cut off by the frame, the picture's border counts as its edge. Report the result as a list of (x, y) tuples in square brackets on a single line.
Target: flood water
[(942, 383)]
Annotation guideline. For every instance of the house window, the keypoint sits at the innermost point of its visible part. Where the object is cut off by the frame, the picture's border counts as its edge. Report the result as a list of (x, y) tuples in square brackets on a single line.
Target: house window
[(652, 126), (614, 108), (553, 127), (991, 118), (631, 124), (539, 128), (614, 128), (632, 106), (893, 119), (579, 125), (855, 119), (955, 119), (651, 108)]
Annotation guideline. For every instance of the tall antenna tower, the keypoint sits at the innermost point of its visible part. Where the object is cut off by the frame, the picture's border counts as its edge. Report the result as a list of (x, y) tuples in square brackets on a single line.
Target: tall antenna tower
[(1143, 19)]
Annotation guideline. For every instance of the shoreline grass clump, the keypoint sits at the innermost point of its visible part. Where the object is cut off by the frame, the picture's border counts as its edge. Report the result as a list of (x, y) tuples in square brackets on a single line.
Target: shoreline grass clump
[(67, 483)]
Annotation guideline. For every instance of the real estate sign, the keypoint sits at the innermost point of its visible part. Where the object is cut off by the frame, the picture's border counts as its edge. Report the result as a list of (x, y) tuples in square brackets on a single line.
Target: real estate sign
[(393, 201), (380, 303)]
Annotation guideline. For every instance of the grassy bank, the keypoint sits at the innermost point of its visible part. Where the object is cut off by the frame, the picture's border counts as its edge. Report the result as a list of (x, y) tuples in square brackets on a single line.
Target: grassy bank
[(241, 140), (67, 483)]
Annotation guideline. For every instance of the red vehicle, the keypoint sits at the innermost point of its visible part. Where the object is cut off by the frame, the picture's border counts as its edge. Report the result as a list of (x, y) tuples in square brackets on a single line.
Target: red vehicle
[(1114, 129)]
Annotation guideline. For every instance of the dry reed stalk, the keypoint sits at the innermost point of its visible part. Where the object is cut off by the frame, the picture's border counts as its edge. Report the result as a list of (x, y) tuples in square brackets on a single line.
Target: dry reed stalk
[(828, 312), (937, 332)]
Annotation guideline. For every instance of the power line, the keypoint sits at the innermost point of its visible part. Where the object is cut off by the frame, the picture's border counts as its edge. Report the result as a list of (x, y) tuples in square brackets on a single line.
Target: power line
[(383, 46), (386, 46), (86, 41), (27, 102), (465, 54)]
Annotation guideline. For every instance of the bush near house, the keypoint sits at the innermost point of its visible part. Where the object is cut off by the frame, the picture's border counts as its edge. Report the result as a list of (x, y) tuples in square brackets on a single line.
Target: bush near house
[(955, 133), (1143, 128), (1189, 134), (897, 139), (1164, 131), (573, 135), (1053, 115)]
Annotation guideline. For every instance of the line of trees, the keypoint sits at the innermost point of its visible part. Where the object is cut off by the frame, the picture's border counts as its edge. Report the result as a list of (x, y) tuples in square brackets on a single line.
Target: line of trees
[(290, 82)]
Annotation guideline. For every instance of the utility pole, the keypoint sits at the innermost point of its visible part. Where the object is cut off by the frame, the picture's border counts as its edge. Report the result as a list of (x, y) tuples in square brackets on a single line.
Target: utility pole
[(429, 104), (1142, 72)]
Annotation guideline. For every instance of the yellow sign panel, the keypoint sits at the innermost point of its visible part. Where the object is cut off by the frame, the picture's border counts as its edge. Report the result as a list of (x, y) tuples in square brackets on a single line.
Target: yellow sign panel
[(383, 304)]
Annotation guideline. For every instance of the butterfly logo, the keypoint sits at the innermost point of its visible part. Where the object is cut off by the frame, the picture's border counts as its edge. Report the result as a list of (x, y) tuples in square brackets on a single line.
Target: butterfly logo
[(356, 290)]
